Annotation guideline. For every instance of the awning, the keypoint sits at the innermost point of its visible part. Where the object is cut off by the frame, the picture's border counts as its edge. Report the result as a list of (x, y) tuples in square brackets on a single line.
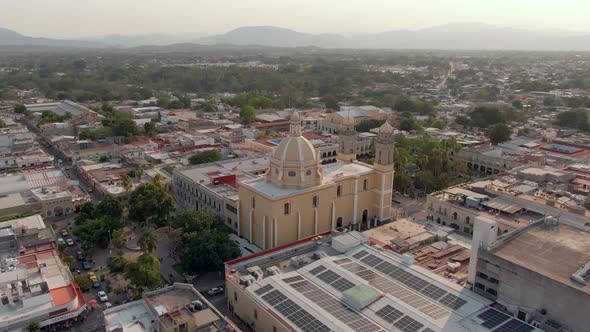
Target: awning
[(501, 205)]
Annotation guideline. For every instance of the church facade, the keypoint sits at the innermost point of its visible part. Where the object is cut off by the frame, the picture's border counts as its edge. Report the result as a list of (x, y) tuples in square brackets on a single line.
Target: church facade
[(298, 197)]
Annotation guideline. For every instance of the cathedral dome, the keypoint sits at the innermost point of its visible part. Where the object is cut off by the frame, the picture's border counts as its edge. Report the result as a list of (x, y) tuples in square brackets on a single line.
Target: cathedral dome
[(295, 150)]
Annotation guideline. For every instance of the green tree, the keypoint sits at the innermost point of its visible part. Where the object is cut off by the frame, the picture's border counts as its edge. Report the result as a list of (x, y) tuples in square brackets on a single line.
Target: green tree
[(149, 202), (163, 102), (118, 240), (367, 125), (126, 183), (117, 264), (148, 242), (139, 173), (204, 157), (499, 133), (110, 206), (70, 261), (576, 119), (247, 115), (145, 272), (86, 134), (208, 250), (82, 281), (149, 128), (20, 108), (97, 232), (194, 221), (440, 124), (517, 104), (103, 159)]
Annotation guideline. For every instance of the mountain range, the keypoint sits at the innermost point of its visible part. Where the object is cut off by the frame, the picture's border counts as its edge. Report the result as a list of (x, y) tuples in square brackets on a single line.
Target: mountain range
[(466, 36)]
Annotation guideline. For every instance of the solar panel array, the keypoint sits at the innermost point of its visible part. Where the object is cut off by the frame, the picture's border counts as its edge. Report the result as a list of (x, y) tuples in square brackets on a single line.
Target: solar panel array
[(408, 279), (333, 279), (514, 325), (334, 307), (492, 318), (398, 291), (408, 324), (299, 316)]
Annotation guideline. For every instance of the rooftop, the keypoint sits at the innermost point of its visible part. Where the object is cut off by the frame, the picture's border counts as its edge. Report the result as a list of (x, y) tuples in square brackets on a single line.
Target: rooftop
[(341, 283), (332, 173), (556, 253)]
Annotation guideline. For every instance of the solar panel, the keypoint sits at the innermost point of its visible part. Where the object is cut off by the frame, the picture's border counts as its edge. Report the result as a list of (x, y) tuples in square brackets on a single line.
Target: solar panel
[(293, 279), (342, 261), (398, 291), (428, 330), (299, 316), (263, 289), (275, 297), (317, 270), (492, 318), (408, 324), (452, 301), (342, 284), (328, 276), (389, 314), (336, 308), (360, 254), (434, 292), (514, 325)]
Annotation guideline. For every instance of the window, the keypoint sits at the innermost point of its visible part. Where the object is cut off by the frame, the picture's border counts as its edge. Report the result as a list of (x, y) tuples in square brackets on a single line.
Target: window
[(287, 208), (493, 280), (492, 292), (339, 191), (253, 202), (308, 173), (235, 296), (274, 328), (480, 286), (292, 174), (229, 221), (482, 275), (255, 314), (454, 215), (365, 184), (316, 201)]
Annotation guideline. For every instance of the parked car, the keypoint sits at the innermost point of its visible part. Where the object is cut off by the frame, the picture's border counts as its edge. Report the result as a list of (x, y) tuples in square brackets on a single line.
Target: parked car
[(64, 232), (80, 256), (94, 279), (86, 265), (108, 305), (61, 242), (102, 296), (215, 291), (70, 242)]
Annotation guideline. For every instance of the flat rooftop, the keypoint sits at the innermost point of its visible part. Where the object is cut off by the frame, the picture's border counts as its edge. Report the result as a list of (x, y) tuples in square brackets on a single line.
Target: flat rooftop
[(130, 317), (314, 285), (556, 253), (332, 173)]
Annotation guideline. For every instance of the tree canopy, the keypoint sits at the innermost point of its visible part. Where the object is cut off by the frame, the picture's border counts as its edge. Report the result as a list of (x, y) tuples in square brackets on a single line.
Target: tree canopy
[(247, 115), (367, 125), (205, 242), (576, 119), (150, 202), (145, 272), (110, 206), (499, 133), (204, 157)]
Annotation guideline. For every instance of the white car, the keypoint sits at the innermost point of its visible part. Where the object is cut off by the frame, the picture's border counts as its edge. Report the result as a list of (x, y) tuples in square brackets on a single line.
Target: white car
[(214, 291), (61, 242), (108, 305), (70, 242), (102, 296)]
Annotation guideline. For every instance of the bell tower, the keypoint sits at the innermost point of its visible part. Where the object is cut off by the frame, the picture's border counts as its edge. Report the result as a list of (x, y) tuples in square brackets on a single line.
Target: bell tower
[(384, 146), (346, 140)]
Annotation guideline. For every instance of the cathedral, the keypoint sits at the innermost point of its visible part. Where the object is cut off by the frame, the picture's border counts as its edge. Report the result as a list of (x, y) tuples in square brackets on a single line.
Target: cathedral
[(298, 197)]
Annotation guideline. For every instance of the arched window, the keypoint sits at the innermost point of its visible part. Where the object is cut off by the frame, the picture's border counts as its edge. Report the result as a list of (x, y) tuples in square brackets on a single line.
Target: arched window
[(292, 174), (339, 191), (308, 173), (339, 222), (287, 208), (253, 202), (365, 184), (454, 215), (467, 220)]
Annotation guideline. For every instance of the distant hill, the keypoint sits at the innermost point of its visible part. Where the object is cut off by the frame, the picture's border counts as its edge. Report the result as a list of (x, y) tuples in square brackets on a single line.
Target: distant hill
[(13, 38), (462, 36)]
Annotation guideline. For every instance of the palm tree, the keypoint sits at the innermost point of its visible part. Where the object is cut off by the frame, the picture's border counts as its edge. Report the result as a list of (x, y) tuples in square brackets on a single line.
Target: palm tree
[(158, 178), (148, 242), (139, 174), (127, 183), (118, 240)]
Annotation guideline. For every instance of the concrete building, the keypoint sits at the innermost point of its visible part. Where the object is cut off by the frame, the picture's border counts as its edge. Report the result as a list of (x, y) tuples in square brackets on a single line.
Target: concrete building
[(539, 273), (174, 116), (214, 187), (298, 197), (333, 122), (35, 286), (333, 282), (170, 309)]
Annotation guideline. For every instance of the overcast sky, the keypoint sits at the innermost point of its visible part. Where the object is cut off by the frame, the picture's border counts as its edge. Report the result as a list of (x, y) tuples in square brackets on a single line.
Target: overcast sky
[(75, 18)]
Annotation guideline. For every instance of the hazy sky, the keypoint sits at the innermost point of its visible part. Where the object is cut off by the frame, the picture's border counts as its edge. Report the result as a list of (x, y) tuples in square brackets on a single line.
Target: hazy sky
[(75, 18)]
